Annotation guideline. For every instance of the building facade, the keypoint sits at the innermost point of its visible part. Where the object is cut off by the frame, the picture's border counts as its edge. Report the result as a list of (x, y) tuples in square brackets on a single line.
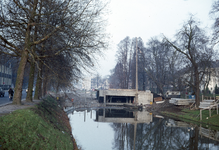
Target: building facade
[(5, 77), (86, 83)]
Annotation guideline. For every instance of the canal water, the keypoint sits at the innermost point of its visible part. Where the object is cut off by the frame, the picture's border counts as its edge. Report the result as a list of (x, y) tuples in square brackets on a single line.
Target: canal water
[(120, 129)]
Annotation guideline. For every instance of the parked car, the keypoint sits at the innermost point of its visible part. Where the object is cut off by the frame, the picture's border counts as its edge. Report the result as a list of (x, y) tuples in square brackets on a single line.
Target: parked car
[(27, 90), (2, 92)]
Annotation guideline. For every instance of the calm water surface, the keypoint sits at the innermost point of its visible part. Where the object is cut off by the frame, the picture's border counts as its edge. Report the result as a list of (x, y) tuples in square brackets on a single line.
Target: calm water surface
[(118, 129)]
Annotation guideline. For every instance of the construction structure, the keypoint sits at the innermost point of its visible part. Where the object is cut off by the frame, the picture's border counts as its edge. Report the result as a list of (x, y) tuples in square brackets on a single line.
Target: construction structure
[(208, 104), (181, 101), (124, 96)]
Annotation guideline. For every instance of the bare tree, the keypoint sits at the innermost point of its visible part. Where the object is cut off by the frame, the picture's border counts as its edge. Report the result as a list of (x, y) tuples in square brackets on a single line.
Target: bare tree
[(121, 74), (192, 43), (16, 27), (123, 58), (157, 63), (78, 24), (215, 14), (142, 76)]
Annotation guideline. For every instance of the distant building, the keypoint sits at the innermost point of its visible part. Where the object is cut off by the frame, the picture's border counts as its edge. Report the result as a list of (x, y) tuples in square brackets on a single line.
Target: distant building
[(5, 76), (96, 82), (100, 83), (105, 84), (86, 83), (213, 80)]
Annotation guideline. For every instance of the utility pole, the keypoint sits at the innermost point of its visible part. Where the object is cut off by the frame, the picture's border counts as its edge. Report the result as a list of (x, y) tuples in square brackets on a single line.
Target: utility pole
[(85, 97), (136, 84)]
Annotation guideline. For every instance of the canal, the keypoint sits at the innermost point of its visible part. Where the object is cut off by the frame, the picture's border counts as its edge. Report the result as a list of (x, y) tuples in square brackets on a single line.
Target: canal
[(122, 129)]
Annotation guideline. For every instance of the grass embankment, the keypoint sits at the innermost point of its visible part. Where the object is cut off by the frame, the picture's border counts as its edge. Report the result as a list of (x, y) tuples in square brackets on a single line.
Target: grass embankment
[(193, 116), (44, 126)]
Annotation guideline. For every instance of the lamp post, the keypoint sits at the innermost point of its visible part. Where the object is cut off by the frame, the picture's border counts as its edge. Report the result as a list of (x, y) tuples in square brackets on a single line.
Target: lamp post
[(136, 84)]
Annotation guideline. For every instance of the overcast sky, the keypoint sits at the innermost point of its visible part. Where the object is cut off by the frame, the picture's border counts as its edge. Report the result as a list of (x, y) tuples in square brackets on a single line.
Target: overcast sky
[(149, 18)]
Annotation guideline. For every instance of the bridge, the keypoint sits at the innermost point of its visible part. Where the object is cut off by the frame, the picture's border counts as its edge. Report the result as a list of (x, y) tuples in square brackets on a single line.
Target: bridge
[(124, 96)]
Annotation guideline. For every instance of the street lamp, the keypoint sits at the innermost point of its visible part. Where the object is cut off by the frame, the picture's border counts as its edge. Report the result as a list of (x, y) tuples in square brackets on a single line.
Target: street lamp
[(136, 71)]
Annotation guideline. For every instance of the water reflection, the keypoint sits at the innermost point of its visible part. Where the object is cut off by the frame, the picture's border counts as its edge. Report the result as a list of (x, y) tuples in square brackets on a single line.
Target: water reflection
[(123, 116), (127, 130), (211, 134)]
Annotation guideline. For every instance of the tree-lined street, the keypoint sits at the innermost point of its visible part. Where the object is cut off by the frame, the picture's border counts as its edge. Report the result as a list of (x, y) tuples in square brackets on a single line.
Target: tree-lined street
[(53, 41)]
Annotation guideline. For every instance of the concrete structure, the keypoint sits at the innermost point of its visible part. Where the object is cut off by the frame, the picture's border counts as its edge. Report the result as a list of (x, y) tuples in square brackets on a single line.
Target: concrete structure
[(123, 116), (124, 96)]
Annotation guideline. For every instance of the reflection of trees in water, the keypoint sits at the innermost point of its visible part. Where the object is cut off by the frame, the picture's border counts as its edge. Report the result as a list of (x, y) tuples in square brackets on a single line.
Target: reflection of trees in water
[(157, 136), (122, 135)]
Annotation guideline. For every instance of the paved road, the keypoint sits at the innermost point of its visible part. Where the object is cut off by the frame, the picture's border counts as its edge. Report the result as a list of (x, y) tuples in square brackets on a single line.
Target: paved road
[(5, 99)]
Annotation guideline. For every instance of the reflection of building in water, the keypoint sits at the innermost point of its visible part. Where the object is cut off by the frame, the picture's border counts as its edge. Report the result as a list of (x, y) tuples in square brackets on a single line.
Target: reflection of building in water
[(123, 116), (211, 134)]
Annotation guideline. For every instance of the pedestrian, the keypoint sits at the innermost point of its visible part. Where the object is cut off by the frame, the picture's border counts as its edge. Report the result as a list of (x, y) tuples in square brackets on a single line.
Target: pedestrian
[(10, 93)]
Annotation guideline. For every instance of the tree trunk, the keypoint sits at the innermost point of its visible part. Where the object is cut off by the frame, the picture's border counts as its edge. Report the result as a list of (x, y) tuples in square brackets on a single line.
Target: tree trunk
[(32, 67), (24, 57), (44, 87), (45, 82), (38, 83), (36, 94), (20, 71), (196, 138), (31, 82), (197, 101), (20, 77)]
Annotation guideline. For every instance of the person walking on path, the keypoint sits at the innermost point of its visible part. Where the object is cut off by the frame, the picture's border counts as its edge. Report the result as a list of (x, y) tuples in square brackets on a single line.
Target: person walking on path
[(10, 93)]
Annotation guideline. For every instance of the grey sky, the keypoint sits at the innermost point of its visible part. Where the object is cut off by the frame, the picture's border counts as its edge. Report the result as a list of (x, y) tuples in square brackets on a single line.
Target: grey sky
[(149, 18)]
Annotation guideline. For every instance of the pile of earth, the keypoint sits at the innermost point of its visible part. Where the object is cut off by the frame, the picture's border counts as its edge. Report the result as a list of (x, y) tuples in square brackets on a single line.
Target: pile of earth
[(166, 106)]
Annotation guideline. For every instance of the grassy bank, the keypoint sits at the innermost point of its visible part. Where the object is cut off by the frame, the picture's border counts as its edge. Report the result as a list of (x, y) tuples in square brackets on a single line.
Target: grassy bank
[(194, 117), (45, 126)]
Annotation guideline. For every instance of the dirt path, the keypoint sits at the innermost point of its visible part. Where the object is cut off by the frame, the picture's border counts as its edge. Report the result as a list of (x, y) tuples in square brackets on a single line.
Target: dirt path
[(166, 106), (11, 107)]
